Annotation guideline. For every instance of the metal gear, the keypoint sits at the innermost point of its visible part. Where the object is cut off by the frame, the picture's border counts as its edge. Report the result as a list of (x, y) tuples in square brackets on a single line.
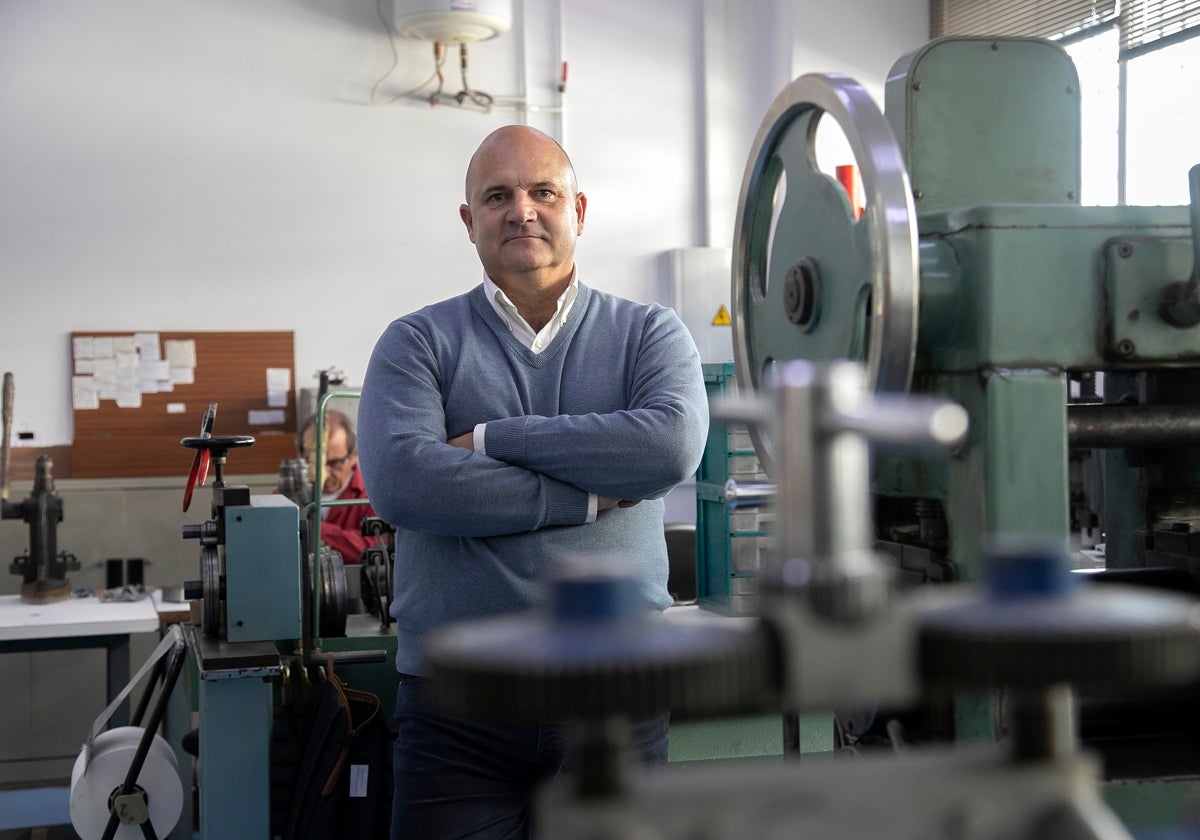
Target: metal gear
[(525, 668), (1091, 638)]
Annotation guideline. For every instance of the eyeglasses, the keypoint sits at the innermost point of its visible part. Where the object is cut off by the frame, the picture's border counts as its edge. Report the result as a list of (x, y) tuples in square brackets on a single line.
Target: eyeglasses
[(332, 463)]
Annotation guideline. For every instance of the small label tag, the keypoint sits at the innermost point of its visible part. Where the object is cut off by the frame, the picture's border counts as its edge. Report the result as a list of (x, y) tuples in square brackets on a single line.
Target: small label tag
[(358, 780)]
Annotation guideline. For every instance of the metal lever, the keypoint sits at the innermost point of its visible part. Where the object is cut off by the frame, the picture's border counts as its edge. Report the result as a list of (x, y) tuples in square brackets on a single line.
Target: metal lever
[(1179, 305), (748, 495), (821, 419)]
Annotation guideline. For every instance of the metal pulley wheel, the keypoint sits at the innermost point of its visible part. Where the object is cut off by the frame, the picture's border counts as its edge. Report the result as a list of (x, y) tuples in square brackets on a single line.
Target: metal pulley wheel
[(810, 281), (333, 606), (210, 577)]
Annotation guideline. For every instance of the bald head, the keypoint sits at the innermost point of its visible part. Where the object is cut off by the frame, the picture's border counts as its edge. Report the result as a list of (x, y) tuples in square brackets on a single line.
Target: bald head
[(524, 212), (515, 140)]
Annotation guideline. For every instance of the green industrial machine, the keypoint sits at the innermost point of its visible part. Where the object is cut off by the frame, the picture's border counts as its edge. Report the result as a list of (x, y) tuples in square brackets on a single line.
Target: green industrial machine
[(275, 625), (1068, 333), (974, 273)]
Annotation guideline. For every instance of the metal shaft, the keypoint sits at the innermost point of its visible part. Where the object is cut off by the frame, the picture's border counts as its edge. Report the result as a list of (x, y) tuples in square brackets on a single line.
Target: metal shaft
[(7, 432), (1122, 426)]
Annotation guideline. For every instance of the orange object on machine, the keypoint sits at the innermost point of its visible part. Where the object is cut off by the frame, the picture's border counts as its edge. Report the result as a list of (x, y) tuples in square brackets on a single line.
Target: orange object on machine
[(847, 175)]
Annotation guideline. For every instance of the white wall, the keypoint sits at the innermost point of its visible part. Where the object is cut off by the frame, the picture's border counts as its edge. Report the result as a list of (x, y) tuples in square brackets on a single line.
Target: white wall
[(217, 165)]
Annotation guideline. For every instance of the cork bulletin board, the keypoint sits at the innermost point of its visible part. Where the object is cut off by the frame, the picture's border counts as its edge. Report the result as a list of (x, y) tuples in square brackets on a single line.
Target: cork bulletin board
[(135, 395)]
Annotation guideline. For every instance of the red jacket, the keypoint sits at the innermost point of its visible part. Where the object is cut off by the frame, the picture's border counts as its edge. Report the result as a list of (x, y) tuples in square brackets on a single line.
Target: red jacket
[(340, 528)]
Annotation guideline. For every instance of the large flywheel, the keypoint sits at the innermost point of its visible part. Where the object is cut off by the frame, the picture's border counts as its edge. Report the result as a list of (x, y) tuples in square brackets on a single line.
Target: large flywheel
[(810, 281)]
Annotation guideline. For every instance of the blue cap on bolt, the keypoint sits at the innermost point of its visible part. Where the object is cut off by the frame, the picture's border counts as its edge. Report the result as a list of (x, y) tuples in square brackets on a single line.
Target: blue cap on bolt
[(1026, 571), (594, 597)]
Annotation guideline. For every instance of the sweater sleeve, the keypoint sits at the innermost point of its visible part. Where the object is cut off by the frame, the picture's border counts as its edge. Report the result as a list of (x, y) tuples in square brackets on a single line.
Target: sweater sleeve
[(416, 480), (640, 452)]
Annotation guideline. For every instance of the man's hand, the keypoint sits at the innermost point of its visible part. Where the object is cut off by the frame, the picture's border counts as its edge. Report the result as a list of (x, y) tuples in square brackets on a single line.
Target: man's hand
[(464, 441), (606, 502)]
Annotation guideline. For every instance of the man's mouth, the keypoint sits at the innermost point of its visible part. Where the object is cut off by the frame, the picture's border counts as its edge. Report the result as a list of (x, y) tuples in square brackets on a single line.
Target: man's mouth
[(521, 236)]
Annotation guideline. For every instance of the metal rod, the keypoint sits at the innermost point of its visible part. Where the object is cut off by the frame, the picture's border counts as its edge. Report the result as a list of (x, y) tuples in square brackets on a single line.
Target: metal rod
[(1124, 426), (748, 495), (7, 410), (348, 657)]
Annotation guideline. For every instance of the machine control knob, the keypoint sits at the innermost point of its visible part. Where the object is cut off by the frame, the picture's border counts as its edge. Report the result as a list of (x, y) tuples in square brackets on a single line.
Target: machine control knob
[(206, 532)]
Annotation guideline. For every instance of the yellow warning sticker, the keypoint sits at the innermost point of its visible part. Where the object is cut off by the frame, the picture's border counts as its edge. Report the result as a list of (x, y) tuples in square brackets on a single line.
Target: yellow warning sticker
[(721, 319)]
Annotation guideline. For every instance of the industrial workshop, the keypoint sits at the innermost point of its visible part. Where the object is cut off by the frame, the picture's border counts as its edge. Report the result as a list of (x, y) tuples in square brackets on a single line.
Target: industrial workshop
[(568, 420)]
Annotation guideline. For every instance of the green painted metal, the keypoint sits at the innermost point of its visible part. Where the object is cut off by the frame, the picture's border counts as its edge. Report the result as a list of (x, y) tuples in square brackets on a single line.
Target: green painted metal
[(987, 120), (1138, 270), (1160, 808), (748, 736), (1033, 290), (728, 543), (235, 772)]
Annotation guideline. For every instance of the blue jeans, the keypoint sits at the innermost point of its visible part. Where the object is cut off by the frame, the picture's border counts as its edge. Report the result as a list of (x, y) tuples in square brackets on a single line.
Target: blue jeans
[(460, 778)]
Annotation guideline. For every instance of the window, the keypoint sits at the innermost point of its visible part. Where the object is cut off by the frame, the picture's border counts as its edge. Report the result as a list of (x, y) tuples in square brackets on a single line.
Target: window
[(1138, 63), (1160, 123)]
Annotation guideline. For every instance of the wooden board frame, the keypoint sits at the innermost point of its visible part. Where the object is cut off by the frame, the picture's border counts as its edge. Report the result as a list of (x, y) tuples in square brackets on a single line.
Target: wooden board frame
[(230, 370)]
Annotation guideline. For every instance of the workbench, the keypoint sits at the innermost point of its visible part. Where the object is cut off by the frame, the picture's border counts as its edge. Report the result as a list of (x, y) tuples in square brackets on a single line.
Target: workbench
[(70, 624), (79, 623)]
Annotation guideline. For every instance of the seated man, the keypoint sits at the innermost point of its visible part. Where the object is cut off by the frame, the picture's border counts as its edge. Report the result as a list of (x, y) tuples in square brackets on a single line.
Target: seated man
[(341, 480)]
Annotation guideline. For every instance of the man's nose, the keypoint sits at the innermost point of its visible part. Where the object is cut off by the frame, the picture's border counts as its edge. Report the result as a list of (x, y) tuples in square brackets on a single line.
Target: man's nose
[(522, 209)]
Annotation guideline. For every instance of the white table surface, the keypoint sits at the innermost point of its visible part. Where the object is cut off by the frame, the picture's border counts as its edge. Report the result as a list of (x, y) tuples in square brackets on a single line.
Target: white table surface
[(74, 617)]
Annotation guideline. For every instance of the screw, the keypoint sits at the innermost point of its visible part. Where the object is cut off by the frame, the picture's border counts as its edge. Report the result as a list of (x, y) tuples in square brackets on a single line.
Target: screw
[(918, 195), (1125, 250), (1125, 347), (1071, 194), (995, 47), (916, 85)]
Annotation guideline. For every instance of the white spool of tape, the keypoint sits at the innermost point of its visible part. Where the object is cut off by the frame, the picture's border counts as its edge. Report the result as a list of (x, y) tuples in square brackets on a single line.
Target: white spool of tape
[(112, 755)]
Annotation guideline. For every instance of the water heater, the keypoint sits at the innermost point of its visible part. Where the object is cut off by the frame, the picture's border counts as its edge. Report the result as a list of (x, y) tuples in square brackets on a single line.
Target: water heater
[(452, 21)]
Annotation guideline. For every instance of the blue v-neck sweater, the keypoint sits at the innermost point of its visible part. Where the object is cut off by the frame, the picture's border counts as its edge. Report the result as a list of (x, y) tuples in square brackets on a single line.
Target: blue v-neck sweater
[(615, 406)]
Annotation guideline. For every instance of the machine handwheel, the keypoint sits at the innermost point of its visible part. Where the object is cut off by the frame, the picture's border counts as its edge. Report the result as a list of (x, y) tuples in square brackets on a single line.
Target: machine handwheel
[(810, 281), (210, 576)]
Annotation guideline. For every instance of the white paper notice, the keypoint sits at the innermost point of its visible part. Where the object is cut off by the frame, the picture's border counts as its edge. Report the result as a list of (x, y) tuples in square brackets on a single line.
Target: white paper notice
[(128, 397), (124, 344), (105, 371), (81, 347), (180, 353), (265, 418), (84, 395), (102, 347), (279, 383), (147, 346)]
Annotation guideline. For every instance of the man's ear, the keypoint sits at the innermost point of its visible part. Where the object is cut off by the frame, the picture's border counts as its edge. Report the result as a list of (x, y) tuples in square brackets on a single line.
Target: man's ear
[(580, 209), (464, 213)]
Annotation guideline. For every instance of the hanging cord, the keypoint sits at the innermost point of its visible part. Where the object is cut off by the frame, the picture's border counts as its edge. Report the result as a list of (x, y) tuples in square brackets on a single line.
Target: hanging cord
[(439, 58), (478, 97)]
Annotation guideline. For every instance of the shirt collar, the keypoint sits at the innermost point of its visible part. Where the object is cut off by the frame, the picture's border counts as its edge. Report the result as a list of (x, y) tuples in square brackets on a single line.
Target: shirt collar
[(512, 318)]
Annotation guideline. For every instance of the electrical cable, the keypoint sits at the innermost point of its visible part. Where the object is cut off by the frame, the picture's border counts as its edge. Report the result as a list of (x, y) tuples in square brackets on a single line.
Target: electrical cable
[(439, 58)]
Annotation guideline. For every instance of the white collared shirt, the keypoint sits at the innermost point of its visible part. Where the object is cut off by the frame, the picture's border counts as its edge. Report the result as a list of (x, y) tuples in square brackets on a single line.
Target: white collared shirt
[(535, 341)]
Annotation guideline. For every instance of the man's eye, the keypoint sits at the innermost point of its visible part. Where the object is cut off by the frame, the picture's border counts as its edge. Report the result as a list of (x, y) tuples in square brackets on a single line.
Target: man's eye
[(494, 198)]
